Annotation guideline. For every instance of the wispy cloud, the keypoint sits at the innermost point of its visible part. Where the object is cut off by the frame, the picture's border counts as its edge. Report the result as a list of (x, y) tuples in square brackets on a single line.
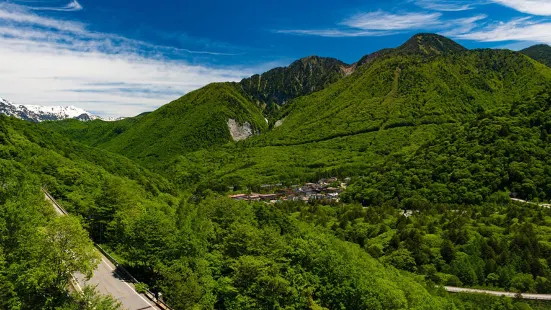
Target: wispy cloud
[(335, 33), (519, 29), (50, 5), (48, 61), (382, 23), (449, 5), (463, 25), (72, 6), (534, 7), (373, 24)]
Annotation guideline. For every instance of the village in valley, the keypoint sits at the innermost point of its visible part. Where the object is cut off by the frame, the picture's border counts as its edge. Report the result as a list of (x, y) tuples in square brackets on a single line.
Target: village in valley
[(325, 189)]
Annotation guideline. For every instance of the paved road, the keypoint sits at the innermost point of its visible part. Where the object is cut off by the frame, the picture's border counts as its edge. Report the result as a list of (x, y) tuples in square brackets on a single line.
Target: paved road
[(108, 282), (452, 289), (532, 203)]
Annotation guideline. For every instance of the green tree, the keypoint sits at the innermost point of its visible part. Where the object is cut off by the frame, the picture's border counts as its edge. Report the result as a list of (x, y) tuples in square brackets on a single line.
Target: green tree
[(401, 259), (64, 248), (90, 299), (523, 283)]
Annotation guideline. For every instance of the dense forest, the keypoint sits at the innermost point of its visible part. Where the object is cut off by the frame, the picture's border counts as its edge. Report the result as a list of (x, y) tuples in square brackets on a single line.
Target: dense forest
[(202, 252), (38, 251), (435, 138), (499, 245)]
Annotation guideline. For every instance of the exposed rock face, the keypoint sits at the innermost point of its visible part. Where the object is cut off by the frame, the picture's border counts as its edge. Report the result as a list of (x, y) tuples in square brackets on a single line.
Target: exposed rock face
[(279, 123), (240, 132)]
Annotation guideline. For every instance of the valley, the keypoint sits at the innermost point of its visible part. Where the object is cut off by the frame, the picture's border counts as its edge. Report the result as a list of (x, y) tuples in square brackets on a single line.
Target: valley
[(397, 182)]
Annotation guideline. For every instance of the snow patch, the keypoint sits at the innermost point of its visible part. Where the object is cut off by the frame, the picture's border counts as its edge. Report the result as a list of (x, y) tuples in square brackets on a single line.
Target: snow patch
[(36, 113), (240, 132), (58, 112)]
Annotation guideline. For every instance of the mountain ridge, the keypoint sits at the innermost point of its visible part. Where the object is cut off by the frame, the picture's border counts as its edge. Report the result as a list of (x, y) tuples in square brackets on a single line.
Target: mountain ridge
[(416, 84), (539, 52), (36, 113)]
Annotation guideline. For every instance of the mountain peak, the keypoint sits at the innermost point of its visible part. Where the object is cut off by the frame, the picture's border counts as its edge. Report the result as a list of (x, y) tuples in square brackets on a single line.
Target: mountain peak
[(430, 44), (302, 77), (37, 113), (318, 61), (539, 52)]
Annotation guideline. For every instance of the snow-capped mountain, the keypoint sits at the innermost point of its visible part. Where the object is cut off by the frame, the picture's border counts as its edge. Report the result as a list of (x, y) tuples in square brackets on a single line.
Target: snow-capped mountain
[(37, 113)]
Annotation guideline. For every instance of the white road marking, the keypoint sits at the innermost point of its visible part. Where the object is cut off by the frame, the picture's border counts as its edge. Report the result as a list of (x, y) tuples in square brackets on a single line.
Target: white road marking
[(76, 282), (60, 211), (133, 290), (103, 259)]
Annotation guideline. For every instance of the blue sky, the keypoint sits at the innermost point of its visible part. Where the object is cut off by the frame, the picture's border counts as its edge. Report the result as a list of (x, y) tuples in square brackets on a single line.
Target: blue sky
[(121, 58)]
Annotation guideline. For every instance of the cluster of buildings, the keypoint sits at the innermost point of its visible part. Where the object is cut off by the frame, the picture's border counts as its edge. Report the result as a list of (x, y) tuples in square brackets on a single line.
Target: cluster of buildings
[(325, 189)]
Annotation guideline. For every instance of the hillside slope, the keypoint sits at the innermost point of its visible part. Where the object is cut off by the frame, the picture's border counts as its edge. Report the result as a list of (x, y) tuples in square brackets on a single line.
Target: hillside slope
[(393, 102), (198, 120), (411, 90), (302, 77), (541, 53), (179, 246), (389, 107)]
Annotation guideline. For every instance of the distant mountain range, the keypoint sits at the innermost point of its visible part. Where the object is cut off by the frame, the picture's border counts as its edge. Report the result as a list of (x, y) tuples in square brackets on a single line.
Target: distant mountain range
[(429, 80), (36, 113)]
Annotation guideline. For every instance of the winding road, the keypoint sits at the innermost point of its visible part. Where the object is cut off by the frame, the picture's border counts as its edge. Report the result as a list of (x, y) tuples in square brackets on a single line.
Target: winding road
[(453, 289), (107, 280)]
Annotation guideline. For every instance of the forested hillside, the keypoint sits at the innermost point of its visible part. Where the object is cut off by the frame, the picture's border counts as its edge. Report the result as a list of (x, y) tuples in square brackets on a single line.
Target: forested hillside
[(541, 53), (305, 76), (393, 101), (435, 138), (201, 253), (196, 121), (411, 91)]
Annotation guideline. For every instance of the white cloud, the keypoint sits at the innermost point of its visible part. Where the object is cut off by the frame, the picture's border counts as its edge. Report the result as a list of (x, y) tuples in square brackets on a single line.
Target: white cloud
[(520, 29), (534, 7), (449, 5), (72, 6), (382, 23), (335, 33), (463, 25), (48, 61), (374, 24), (381, 20)]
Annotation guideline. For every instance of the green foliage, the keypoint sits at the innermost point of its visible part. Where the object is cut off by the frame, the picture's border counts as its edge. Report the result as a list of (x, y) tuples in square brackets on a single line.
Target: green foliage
[(434, 136), (523, 283), (141, 288), (541, 53), (499, 246), (500, 152), (90, 299), (197, 120), (38, 251), (302, 77)]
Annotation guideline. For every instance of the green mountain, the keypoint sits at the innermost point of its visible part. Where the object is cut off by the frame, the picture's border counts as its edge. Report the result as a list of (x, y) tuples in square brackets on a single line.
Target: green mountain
[(423, 44), (435, 138), (406, 91), (541, 53), (393, 101), (302, 77), (198, 120), (207, 253), (430, 45)]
